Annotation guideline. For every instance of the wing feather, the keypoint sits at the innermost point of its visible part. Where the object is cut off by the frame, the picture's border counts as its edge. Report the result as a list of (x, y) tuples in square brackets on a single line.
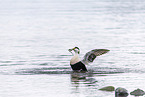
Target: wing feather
[(91, 55)]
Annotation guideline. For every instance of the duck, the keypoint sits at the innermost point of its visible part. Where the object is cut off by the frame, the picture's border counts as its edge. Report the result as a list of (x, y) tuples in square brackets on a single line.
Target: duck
[(80, 65)]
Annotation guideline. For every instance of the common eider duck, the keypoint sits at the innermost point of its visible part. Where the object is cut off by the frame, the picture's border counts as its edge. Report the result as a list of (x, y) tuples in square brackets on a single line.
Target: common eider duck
[(79, 65)]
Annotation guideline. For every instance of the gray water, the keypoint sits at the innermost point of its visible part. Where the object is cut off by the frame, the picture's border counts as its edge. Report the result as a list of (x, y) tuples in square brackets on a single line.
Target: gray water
[(35, 36)]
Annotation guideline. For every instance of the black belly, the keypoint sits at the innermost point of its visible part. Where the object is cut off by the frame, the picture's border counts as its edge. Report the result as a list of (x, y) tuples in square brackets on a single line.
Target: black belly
[(79, 66)]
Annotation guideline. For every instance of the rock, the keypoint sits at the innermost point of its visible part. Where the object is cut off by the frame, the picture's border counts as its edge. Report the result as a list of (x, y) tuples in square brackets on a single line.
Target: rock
[(108, 88), (137, 92), (121, 92)]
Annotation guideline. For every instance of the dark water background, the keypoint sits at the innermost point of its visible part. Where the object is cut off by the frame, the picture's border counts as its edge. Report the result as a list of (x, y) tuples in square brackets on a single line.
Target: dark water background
[(35, 36)]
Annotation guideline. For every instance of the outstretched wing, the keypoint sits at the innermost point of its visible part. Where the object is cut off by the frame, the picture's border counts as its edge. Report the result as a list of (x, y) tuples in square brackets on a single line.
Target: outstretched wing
[(91, 55)]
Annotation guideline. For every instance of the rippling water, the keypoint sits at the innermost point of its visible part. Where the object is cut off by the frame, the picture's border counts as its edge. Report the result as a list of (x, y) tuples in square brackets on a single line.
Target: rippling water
[(35, 36)]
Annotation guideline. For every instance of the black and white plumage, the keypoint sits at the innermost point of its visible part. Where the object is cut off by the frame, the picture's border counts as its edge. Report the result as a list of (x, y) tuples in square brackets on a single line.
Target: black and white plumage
[(77, 64)]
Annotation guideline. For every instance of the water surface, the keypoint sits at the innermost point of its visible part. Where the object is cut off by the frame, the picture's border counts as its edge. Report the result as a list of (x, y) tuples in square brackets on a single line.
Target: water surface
[(36, 35)]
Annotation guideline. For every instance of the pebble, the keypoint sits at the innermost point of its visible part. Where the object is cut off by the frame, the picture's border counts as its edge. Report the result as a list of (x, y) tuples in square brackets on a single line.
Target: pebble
[(108, 88), (137, 92), (121, 92)]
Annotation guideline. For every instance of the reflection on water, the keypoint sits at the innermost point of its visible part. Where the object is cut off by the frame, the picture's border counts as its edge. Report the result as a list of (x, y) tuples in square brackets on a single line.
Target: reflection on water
[(81, 80), (85, 78)]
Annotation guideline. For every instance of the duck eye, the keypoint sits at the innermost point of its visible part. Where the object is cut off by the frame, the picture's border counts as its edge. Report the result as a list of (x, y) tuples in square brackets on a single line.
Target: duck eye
[(69, 50)]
